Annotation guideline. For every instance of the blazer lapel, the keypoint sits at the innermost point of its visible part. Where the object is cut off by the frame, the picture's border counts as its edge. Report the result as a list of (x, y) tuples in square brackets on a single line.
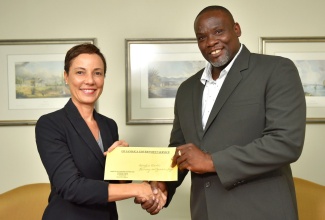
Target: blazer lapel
[(197, 103), (84, 132), (232, 80), (106, 135)]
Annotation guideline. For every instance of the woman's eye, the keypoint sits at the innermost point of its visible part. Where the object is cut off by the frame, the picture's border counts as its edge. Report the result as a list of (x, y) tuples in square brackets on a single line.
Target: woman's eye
[(98, 73), (79, 72)]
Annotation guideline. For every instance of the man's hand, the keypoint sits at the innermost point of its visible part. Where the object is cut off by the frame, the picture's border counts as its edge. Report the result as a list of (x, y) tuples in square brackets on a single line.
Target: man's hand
[(190, 157), (153, 207)]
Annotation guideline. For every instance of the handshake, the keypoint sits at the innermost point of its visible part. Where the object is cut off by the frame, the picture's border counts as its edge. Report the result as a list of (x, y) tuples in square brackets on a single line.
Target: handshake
[(153, 198)]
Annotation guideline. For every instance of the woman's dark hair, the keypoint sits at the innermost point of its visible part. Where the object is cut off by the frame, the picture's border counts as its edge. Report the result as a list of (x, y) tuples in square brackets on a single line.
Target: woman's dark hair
[(80, 49)]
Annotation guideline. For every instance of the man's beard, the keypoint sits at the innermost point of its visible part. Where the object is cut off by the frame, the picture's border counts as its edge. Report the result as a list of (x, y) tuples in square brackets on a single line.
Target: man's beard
[(223, 61)]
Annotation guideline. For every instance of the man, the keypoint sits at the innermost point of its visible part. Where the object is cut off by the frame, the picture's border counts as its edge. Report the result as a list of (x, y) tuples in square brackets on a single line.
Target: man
[(238, 125)]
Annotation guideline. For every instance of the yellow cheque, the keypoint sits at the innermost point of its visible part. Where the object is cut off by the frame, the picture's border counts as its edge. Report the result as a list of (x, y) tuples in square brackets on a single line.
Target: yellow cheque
[(141, 163)]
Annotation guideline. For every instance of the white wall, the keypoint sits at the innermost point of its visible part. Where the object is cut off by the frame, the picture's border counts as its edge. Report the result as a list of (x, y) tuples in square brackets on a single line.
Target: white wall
[(111, 21)]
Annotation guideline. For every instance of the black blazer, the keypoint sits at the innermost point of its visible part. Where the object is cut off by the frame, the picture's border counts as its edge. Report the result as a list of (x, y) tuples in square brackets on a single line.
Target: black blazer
[(75, 165), (255, 130)]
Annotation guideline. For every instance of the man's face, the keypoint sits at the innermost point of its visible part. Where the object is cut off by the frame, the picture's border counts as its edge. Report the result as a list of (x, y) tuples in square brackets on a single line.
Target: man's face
[(217, 37)]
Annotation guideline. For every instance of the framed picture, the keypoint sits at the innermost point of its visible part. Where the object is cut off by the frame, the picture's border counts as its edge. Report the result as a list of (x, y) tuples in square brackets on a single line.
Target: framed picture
[(31, 76), (308, 54), (154, 70)]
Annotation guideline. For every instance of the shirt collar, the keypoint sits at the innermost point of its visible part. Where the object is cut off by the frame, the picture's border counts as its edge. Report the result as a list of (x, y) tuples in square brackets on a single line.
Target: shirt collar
[(207, 76)]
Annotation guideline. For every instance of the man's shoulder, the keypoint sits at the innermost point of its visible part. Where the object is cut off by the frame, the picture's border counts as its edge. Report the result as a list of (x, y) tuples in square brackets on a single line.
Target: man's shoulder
[(261, 57), (268, 57), (194, 78)]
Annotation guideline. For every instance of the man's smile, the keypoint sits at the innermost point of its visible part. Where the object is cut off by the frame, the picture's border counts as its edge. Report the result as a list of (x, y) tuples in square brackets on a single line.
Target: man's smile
[(215, 52)]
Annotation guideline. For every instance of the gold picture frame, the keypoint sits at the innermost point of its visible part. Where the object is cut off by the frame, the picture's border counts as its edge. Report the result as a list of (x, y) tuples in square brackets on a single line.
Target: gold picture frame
[(308, 53), (27, 66), (154, 70)]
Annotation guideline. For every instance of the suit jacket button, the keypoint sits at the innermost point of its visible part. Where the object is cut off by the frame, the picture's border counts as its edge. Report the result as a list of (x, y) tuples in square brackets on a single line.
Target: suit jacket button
[(207, 184)]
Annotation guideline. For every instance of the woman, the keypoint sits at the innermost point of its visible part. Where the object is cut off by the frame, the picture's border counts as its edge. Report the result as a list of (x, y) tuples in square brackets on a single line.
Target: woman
[(72, 143)]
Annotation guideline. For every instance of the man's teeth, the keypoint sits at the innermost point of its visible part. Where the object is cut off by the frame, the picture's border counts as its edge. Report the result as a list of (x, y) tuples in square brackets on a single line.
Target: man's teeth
[(215, 52)]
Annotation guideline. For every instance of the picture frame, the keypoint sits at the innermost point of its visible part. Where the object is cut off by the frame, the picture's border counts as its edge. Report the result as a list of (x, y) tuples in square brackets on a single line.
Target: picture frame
[(154, 70), (308, 54), (31, 76)]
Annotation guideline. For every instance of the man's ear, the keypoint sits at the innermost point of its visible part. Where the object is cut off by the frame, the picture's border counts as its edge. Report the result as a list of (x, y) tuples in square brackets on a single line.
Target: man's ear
[(237, 29)]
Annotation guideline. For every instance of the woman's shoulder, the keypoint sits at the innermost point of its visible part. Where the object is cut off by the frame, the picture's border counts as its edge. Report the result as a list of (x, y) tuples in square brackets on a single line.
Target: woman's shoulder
[(52, 119), (56, 114)]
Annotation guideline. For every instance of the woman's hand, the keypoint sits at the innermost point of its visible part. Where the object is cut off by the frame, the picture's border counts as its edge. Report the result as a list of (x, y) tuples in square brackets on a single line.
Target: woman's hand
[(145, 194), (120, 143), (153, 206)]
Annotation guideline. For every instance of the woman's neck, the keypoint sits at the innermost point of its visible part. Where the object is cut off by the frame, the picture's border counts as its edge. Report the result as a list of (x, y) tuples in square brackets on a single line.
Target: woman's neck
[(86, 111)]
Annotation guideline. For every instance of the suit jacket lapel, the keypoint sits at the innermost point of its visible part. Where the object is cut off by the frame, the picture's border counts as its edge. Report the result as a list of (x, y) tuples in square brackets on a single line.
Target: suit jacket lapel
[(107, 137), (197, 103), (232, 80), (84, 132)]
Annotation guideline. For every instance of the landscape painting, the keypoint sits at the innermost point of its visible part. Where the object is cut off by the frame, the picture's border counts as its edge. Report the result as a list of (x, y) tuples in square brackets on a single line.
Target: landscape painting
[(308, 54), (311, 68), (36, 81), (155, 68), (32, 78), (164, 77), (40, 80), (312, 74)]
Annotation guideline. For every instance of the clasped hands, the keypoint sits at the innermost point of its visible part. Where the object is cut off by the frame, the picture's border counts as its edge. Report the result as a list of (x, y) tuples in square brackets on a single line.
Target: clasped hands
[(187, 157)]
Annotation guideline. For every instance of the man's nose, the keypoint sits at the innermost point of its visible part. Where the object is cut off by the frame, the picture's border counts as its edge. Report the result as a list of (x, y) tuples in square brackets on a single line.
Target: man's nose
[(212, 40)]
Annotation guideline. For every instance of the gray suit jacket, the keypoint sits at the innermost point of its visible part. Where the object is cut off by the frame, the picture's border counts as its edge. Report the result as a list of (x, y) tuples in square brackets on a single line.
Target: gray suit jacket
[(255, 130), (75, 165)]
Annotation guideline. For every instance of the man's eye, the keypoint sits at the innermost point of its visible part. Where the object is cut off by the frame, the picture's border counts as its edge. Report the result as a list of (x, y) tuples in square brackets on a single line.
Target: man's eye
[(79, 72), (218, 31), (200, 38), (98, 73)]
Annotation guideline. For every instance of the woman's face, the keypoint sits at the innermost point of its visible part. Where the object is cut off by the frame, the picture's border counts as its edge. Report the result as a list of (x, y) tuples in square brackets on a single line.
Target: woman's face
[(85, 79)]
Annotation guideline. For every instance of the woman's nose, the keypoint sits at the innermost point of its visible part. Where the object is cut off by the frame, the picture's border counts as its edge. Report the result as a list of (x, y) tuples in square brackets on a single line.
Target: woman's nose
[(89, 79)]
